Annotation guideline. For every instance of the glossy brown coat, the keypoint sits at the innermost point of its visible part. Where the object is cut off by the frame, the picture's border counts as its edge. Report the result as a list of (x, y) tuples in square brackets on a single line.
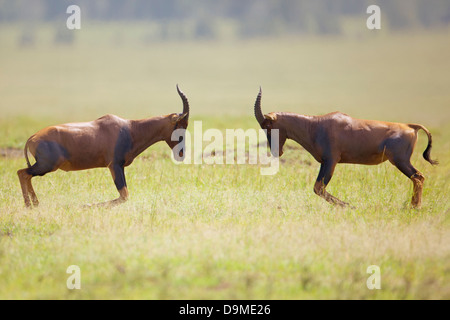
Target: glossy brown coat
[(338, 138), (109, 141)]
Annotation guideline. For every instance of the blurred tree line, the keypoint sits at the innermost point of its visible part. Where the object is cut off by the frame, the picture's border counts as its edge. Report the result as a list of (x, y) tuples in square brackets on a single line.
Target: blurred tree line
[(252, 18)]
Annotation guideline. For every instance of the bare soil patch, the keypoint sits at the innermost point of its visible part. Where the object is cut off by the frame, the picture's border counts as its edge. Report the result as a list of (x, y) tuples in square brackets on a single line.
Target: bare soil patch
[(11, 152)]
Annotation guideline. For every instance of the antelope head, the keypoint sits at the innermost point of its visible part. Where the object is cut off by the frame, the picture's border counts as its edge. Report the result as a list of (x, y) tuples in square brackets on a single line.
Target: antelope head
[(269, 123), (179, 122)]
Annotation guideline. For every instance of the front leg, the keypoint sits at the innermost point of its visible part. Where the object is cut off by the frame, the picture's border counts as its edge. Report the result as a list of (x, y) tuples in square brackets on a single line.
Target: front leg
[(118, 176), (325, 174)]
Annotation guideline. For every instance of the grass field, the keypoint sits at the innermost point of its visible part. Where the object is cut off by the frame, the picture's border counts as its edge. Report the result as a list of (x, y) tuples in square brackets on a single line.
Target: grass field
[(225, 231)]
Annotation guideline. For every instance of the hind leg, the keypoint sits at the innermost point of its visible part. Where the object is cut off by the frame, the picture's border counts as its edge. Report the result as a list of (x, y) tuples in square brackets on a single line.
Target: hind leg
[(32, 194), (38, 169), (417, 179), (25, 180), (27, 187), (49, 156)]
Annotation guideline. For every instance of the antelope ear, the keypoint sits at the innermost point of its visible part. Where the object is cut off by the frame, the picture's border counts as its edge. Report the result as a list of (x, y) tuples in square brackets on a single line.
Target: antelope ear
[(270, 116), (177, 117)]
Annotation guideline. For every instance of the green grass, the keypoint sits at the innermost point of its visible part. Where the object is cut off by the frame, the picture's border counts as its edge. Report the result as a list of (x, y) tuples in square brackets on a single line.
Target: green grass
[(225, 231)]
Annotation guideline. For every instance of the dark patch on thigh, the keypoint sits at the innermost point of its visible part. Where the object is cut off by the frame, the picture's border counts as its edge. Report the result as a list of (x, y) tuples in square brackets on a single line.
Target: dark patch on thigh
[(124, 144), (397, 148), (49, 155)]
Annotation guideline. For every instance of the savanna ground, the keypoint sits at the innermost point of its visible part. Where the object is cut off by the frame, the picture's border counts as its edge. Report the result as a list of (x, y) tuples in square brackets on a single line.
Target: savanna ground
[(224, 231)]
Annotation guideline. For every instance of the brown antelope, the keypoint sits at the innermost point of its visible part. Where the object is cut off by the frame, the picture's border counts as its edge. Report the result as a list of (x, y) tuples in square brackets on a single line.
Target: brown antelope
[(338, 138), (109, 141)]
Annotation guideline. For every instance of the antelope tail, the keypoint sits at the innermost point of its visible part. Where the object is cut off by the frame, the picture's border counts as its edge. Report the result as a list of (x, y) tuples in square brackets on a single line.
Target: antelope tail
[(427, 152), (25, 152)]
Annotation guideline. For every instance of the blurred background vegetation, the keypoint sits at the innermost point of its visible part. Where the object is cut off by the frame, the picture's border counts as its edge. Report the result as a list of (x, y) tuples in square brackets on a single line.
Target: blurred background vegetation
[(206, 19)]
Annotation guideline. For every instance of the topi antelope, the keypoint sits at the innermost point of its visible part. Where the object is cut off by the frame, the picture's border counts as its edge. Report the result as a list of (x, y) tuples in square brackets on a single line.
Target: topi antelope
[(109, 141), (338, 138)]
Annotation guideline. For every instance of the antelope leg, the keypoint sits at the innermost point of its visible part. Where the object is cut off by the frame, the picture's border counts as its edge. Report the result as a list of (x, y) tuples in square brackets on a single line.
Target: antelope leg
[(325, 174)]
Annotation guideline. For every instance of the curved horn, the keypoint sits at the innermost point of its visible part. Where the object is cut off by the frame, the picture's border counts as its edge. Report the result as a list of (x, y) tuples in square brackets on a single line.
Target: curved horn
[(185, 102), (258, 113)]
